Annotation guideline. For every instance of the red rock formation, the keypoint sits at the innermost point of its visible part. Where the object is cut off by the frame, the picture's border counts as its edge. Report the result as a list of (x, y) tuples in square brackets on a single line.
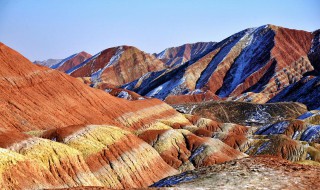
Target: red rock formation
[(182, 99), (36, 97), (253, 65), (117, 66), (178, 55), (184, 150), (74, 61), (45, 117)]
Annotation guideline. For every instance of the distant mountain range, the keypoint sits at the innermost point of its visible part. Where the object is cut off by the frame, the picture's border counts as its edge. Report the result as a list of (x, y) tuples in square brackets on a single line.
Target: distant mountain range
[(253, 65), (48, 62), (67, 63)]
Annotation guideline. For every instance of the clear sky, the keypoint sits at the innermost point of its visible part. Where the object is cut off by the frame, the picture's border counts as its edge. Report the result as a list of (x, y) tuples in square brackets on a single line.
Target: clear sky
[(42, 29)]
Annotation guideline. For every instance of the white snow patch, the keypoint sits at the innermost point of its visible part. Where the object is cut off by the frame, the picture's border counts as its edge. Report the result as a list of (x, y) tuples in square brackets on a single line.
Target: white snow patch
[(155, 91)]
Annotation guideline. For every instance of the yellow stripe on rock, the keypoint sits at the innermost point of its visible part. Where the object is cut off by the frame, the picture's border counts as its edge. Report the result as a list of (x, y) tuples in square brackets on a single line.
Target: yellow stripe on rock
[(8, 159), (153, 126), (94, 138), (129, 119), (45, 151), (168, 140)]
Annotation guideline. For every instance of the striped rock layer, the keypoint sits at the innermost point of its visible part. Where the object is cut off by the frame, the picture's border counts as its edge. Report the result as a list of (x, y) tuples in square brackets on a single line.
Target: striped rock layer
[(117, 66), (306, 90), (252, 65), (292, 139), (174, 56), (285, 130), (71, 61), (57, 132)]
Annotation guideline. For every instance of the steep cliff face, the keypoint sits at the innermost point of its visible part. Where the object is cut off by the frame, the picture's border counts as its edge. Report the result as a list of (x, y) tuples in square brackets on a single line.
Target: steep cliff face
[(117, 66), (252, 65)]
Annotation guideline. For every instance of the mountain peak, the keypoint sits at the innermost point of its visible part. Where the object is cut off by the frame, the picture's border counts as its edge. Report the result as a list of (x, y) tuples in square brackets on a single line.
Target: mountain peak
[(117, 66)]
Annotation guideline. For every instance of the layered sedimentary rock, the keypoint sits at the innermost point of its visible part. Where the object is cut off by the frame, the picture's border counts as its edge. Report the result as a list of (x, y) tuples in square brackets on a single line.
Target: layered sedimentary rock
[(252, 65), (117, 66), (116, 157), (16, 168), (306, 90), (174, 56), (184, 150), (304, 128), (292, 139), (36, 98), (47, 128), (71, 61)]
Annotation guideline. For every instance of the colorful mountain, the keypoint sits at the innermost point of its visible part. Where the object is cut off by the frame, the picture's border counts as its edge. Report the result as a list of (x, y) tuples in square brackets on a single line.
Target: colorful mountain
[(117, 66), (61, 133), (71, 61), (306, 90), (174, 56), (252, 65)]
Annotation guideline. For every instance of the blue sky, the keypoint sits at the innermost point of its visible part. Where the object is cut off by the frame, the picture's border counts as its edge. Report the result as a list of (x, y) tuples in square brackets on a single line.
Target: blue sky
[(42, 29)]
